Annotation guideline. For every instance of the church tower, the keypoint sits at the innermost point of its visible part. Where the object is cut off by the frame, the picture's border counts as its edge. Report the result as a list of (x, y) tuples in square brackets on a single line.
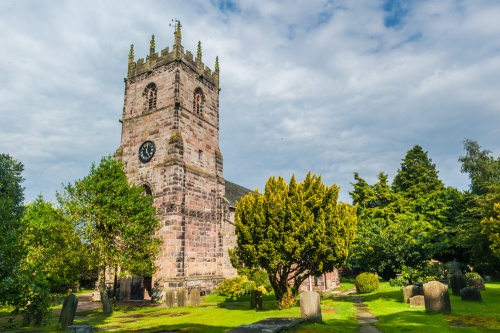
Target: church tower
[(170, 146)]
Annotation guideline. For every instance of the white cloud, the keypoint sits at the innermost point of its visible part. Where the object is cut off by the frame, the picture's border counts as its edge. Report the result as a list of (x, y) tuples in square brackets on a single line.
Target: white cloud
[(324, 86)]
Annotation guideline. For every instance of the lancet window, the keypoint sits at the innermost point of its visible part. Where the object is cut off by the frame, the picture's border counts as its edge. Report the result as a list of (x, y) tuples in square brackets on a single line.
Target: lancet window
[(198, 101), (150, 94)]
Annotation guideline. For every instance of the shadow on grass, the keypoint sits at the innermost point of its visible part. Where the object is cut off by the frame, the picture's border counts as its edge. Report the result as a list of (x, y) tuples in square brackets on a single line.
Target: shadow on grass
[(243, 303)]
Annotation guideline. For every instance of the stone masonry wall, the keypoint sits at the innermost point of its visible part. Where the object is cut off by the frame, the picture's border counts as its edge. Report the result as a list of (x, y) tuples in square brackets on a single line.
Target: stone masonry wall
[(185, 173)]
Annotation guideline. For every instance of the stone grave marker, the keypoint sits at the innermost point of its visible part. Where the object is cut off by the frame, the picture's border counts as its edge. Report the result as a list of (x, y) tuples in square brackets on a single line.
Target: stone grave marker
[(410, 291), (256, 300), (310, 306), (170, 298), (181, 297), (436, 297), (457, 283), (68, 311), (477, 283), (471, 294), (194, 298), (417, 301)]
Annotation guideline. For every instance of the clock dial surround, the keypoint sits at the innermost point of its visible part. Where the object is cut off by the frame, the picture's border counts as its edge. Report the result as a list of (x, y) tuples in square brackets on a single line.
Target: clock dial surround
[(146, 151)]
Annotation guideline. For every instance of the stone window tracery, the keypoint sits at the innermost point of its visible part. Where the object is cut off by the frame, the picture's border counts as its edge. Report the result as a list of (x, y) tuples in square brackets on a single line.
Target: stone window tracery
[(150, 93), (198, 101)]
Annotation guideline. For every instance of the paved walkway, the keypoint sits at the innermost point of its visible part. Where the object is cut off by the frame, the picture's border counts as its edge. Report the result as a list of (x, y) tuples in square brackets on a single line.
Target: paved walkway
[(364, 317), (269, 325)]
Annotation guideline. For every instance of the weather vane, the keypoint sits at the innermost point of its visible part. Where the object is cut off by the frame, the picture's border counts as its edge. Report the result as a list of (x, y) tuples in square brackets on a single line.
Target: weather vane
[(174, 23)]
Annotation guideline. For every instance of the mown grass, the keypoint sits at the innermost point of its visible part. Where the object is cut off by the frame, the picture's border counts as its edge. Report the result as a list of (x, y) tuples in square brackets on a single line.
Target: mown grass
[(218, 314), (467, 316)]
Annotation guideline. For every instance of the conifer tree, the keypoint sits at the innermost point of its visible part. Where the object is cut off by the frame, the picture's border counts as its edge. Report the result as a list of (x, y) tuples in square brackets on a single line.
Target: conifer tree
[(293, 231)]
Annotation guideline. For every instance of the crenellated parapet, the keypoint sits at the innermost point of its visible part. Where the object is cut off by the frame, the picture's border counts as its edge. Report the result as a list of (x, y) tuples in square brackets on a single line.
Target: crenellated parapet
[(166, 56)]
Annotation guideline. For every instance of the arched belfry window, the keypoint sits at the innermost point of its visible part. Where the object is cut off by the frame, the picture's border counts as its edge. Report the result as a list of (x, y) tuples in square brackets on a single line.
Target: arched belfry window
[(147, 189), (150, 95), (198, 101)]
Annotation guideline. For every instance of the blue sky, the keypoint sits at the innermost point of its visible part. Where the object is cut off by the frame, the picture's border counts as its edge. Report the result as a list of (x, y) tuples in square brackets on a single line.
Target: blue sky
[(330, 87)]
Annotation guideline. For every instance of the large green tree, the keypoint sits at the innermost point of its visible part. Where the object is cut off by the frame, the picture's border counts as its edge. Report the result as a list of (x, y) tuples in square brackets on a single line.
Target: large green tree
[(404, 225), (479, 202), (55, 249), (293, 231), (116, 219), (53, 260), (11, 211)]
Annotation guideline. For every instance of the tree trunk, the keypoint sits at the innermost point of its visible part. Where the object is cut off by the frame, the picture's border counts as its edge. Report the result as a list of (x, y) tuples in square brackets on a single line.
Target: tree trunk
[(285, 296)]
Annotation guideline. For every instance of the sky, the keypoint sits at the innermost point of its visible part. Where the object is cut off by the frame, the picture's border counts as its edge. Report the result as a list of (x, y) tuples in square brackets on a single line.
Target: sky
[(330, 87)]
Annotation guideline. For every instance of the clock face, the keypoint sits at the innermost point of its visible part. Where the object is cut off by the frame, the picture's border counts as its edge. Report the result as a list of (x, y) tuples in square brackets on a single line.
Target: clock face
[(146, 151)]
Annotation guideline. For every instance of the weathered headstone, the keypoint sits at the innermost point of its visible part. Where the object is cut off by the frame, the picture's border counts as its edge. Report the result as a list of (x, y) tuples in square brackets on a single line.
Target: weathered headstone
[(157, 294), (310, 308), (471, 294), (457, 283), (68, 311), (170, 298), (477, 283), (417, 301), (194, 298), (96, 295), (181, 297), (410, 291), (256, 299), (436, 297), (79, 329)]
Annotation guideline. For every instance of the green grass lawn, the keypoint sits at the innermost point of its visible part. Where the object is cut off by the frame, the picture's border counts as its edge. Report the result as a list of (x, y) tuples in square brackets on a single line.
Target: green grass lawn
[(217, 314), (396, 316)]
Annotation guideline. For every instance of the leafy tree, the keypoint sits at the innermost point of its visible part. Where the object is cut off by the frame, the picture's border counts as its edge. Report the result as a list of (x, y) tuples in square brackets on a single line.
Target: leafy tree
[(11, 211), (292, 232), (479, 203), (57, 256), (483, 169), (116, 219), (417, 175), (491, 228), (54, 257), (403, 226)]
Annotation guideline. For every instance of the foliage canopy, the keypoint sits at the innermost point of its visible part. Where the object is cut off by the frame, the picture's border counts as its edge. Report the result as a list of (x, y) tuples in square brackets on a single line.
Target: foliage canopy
[(293, 231), (115, 218)]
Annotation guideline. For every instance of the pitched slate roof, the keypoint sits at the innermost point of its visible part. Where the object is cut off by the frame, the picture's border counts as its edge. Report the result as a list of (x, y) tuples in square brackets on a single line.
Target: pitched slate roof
[(235, 192)]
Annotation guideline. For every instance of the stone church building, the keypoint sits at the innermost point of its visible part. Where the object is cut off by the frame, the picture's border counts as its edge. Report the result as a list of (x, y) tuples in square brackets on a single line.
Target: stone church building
[(170, 146)]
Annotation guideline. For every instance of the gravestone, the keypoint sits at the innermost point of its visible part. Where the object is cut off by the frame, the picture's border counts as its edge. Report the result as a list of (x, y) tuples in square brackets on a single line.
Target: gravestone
[(79, 329), (436, 297), (181, 297), (68, 311), (96, 295), (170, 298), (256, 300), (194, 298), (457, 283), (157, 294), (410, 291), (471, 294), (417, 301), (477, 283), (310, 306)]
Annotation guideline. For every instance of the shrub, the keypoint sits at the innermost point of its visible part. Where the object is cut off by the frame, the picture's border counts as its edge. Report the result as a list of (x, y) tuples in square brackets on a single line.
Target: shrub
[(426, 279), (259, 276), (470, 276), (397, 282), (366, 283), (236, 287)]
